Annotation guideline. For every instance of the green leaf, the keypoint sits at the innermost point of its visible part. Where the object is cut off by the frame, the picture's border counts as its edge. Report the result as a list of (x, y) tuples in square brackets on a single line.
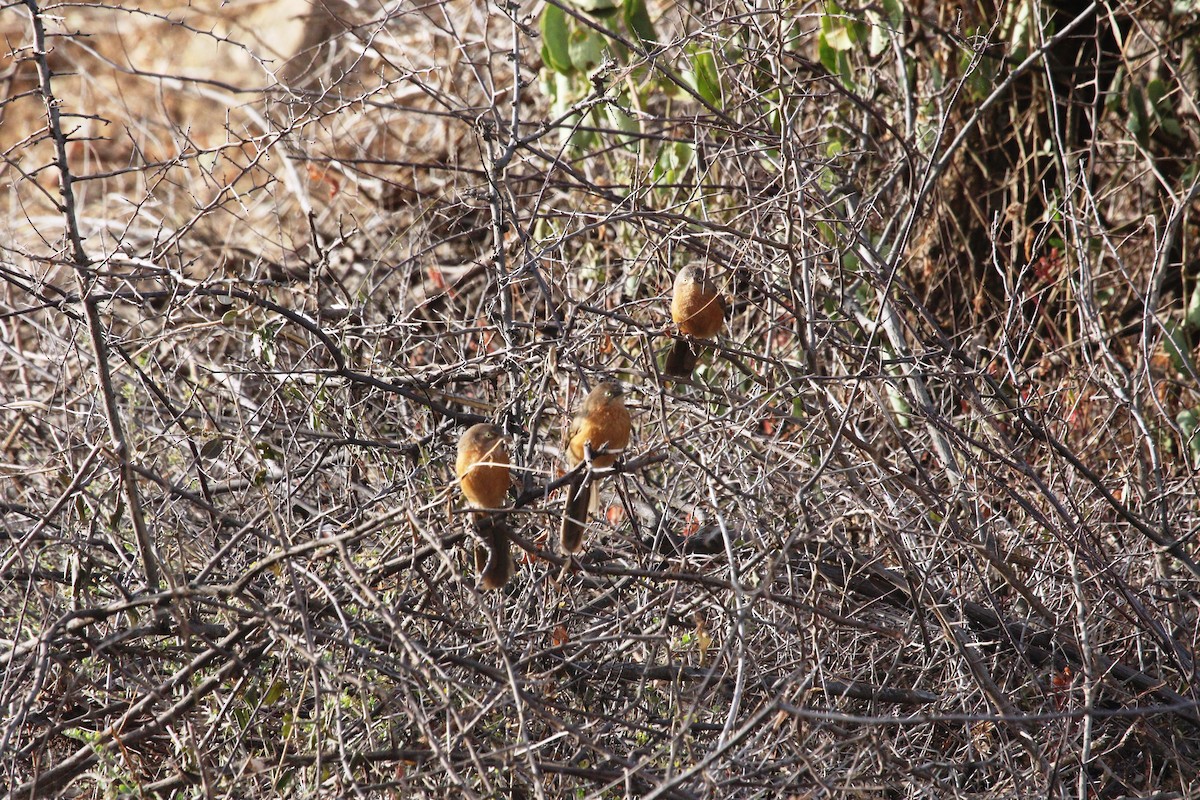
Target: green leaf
[(266, 451), (582, 141), (586, 48), (1112, 100), (1189, 174), (1175, 342), (845, 69), (563, 91), (1137, 121), (1192, 315), (895, 13), (827, 55), (673, 162), (637, 18), (1172, 127), (598, 7), (555, 38), (1024, 33), (705, 78), (1188, 420), (274, 693), (1156, 90), (623, 122), (1160, 104), (839, 32), (879, 41), (212, 448), (900, 406), (837, 36)]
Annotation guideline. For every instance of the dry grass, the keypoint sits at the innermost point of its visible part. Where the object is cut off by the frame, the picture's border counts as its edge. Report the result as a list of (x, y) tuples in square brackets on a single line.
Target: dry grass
[(922, 526)]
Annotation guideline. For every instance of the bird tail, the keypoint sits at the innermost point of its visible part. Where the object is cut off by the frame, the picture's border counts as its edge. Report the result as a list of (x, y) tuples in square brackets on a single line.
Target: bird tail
[(681, 358), (493, 559), (581, 500)]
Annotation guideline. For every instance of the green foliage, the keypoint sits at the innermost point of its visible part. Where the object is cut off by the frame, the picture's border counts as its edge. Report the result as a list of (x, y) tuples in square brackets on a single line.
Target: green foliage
[(1176, 342), (585, 49), (577, 51), (884, 27), (600, 8), (555, 38), (703, 75), (263, 341), (1192, 314), (1020, 25), (980, 75), (1188, 421), (672, 165), (1149, 107), (1163, 107), (1137, 119), (839, 35), (1179, 336), (573, 45), (900, 406), (637, 19)]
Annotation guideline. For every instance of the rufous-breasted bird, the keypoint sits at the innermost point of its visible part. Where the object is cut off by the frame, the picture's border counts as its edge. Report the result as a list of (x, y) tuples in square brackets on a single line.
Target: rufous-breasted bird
[(699, 311), (482, 469), (601, 426)]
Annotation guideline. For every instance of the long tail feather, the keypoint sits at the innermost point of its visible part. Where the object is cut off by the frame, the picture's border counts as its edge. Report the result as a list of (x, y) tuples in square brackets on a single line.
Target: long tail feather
[(581, 497), (493, 559), (682, 358)]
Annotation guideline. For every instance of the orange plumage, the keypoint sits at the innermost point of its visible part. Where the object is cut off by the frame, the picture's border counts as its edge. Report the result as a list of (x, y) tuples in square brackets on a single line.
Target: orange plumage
[(699, 312), (603, 426), (482, 468)]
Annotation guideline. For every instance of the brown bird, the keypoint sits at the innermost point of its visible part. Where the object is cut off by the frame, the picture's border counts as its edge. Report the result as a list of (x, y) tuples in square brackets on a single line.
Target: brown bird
[(699, 311), (482, 469), (602, 426)]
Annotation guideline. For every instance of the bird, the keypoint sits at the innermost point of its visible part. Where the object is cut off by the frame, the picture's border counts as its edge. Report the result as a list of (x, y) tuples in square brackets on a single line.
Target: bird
[(601, 427), (699, 311), (482, 470)]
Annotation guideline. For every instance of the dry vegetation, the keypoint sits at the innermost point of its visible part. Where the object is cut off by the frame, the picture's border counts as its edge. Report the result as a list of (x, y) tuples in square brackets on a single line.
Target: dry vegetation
[(924, 526)]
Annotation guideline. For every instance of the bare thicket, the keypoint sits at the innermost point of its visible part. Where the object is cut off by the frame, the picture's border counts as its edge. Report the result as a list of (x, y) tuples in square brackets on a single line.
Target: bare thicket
[(921, 525)]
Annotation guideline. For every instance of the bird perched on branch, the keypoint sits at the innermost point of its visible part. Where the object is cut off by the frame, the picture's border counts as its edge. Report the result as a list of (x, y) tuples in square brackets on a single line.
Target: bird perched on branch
[(699, 311), (482, 469), (601, 429)]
